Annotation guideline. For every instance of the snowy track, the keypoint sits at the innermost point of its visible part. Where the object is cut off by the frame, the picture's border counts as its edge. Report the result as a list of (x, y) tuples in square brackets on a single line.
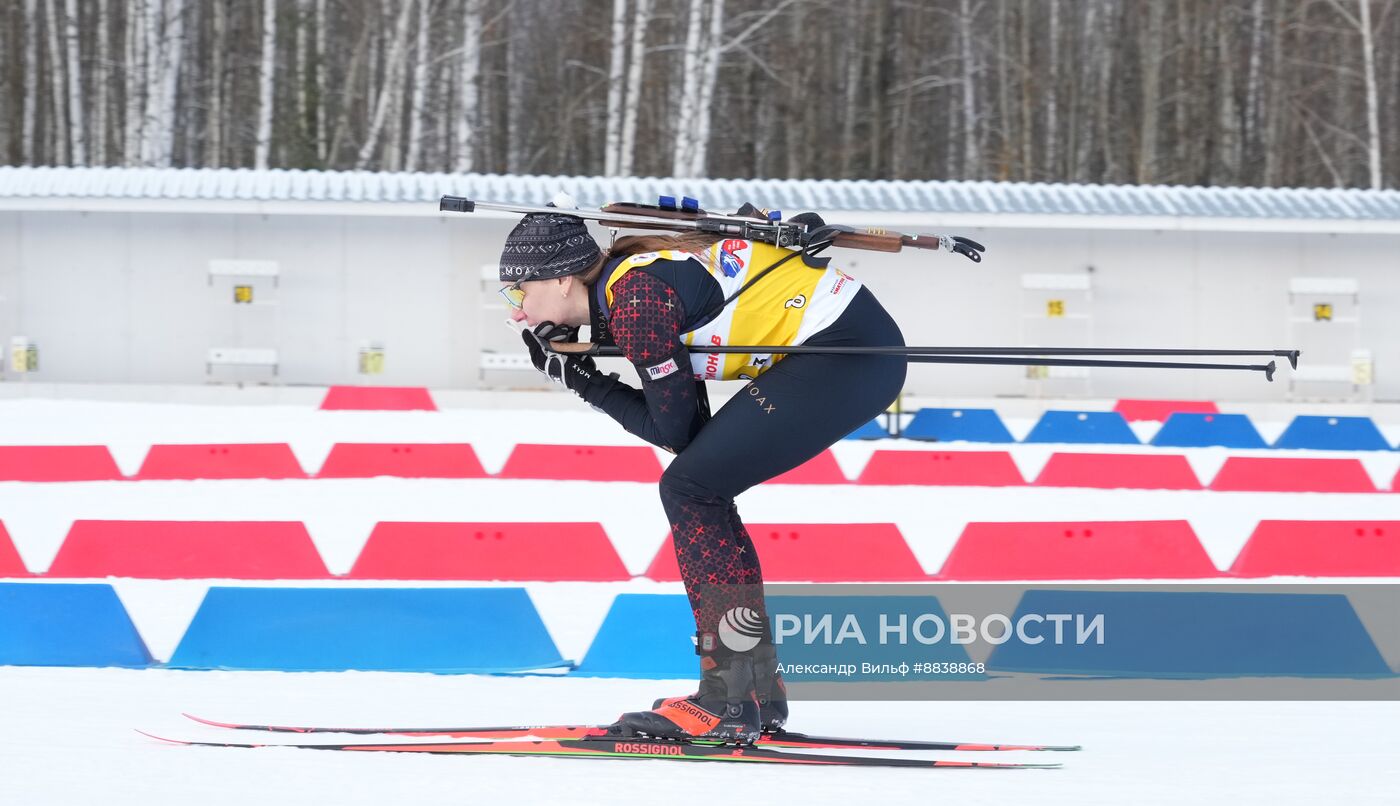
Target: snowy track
[(69, 739)]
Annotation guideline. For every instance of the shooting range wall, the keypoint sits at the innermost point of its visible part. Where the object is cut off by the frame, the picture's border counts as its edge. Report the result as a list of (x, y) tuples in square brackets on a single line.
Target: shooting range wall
[(131, 276)]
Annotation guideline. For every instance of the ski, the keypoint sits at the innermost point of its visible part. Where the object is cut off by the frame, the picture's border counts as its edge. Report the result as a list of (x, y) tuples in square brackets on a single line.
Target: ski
[(571, 733), (621, 748)]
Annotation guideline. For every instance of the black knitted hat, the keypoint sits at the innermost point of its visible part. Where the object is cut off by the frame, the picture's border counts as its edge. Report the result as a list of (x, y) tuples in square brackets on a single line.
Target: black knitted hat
[(546, 245)]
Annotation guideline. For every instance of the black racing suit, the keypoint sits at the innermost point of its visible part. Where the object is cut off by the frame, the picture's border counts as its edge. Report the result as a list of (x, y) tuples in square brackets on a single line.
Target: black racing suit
[(792, 412)]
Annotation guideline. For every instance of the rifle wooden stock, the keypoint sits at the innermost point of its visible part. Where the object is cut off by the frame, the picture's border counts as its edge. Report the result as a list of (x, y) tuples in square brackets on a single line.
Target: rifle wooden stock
[(921, 241), (870, 240)]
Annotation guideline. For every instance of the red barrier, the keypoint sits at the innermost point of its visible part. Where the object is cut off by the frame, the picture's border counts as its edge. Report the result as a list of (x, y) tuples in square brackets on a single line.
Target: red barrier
[(10, 563), (359, 460), (189, 550), (1160, 410), (582, 463), (57, 463), (550, 552), (1084, 550), (1278, 474), (270, 461), (820, 469), (938, 468), (810, 552), (1139, 471), (378, 398), (1321, 549)]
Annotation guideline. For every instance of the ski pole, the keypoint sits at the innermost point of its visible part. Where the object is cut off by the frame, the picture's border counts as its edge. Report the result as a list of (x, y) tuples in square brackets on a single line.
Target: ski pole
[(760, 349), (1007, 356), (1030, 361)]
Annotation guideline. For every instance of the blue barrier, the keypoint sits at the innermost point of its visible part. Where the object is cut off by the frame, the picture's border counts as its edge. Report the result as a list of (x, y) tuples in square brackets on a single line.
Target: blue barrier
[(875, 429), (478, 630), (1187, 430), (644, 635), (1100, 427), (953, 425), (649, 636), (1194, 635), (1333, 434), (46, 624)]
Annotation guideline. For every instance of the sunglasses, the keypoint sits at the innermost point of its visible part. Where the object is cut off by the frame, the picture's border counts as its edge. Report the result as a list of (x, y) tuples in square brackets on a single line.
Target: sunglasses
[(513, 294)]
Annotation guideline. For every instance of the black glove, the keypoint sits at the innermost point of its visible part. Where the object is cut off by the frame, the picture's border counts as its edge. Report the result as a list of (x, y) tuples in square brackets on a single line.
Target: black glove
[(578, 373)]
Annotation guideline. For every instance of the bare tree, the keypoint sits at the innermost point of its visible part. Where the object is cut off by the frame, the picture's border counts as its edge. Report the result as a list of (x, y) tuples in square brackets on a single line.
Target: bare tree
[(29, 129), (1253, 80), (1052, 78), (709, 74), (617, 62), (851, 92), (352, 79), (1150, 58), (641, 16), (302, 48), (162, 81), (319, 65), (1270, 135), (392, 86), (100, 79), (967, 59), (213, 151), (1228, 121), (517, 79), (76, 129), (467, 107), (682, 141), (59, 132), (417, 107), (1026, 123), (1361, 21), (266, 68), (133, 79)]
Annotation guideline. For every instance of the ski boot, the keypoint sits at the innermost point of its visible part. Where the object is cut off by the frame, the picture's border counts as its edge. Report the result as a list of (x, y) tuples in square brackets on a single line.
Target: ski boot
[(725, 709), (768, 686)]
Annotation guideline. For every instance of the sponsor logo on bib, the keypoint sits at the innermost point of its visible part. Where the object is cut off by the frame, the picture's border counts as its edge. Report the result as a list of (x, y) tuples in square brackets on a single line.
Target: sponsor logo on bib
[(663, 369), (836, 289), (729, 261)]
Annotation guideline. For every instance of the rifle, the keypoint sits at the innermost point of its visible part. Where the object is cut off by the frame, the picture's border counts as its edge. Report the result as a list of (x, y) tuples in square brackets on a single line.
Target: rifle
[(807, 233)]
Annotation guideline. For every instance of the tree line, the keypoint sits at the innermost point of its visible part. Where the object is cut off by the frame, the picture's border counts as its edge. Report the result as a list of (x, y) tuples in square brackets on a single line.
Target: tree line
[(1227, 92)]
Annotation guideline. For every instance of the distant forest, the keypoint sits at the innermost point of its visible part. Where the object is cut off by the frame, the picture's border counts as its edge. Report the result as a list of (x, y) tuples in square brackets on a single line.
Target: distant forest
[(1235, 92)]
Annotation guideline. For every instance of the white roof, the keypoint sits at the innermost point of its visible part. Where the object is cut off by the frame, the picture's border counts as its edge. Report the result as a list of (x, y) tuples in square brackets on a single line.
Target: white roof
[(790, 195)]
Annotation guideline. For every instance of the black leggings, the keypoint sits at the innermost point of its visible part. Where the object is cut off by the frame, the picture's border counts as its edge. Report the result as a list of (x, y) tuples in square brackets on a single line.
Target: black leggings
[(790, 414)]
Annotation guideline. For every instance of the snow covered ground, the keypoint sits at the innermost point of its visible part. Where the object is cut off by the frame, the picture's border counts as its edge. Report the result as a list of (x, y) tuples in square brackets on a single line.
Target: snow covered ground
[(68, 739), (68, 733)]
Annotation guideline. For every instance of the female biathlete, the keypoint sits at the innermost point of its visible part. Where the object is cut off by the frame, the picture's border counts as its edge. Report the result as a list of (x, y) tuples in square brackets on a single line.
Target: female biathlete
[(654, 297)]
